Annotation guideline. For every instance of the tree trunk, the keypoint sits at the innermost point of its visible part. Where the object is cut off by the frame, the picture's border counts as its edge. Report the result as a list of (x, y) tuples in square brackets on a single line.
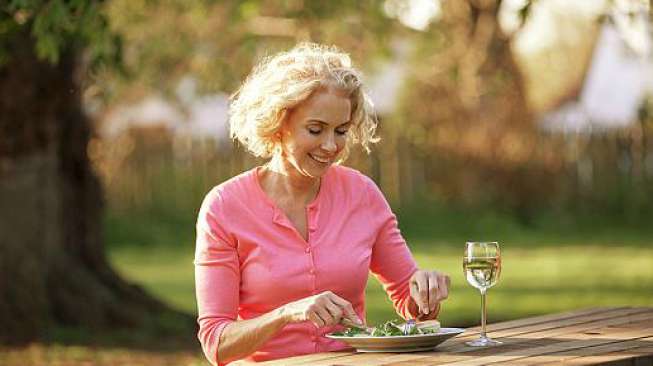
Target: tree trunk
[(53, 269)]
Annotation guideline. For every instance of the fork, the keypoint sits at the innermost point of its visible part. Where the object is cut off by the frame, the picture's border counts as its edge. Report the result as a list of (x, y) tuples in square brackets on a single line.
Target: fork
[(409, 326), (348, 323)]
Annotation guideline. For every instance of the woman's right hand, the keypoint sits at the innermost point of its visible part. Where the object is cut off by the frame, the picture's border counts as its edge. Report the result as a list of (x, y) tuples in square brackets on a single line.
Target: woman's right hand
[(324, 309)]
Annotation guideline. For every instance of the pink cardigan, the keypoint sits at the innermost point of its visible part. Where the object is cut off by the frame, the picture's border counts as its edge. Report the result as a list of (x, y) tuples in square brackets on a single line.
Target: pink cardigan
[(250, 259)]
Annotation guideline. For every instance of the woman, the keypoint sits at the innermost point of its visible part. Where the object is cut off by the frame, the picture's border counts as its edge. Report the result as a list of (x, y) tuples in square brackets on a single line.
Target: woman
[(284, 250)]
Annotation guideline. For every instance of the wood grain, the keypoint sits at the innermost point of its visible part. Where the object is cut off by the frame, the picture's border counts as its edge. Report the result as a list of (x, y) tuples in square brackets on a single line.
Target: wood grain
[(615, 336)]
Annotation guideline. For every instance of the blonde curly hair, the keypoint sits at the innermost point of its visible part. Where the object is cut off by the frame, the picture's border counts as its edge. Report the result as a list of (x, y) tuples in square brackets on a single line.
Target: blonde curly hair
[(280, 82)]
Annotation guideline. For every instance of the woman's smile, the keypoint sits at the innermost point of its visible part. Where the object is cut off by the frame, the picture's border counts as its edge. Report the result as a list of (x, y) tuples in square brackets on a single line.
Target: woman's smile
[(320, 159)]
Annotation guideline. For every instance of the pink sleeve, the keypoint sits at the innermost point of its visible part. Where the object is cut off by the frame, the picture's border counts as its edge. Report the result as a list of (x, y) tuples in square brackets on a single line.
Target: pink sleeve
[(392, 263), (217, 276)]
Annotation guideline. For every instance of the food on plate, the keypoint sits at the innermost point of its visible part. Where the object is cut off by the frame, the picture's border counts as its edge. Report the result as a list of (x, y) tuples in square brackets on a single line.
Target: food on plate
[(391, 328)]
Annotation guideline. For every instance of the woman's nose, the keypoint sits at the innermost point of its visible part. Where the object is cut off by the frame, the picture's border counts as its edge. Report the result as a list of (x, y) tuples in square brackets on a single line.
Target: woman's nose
[(329, 144)]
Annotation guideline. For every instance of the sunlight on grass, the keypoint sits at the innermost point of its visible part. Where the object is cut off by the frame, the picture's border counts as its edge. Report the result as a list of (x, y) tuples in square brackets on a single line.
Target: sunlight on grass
[(66, 355), (539, 281), (533, 281), (164, 271)]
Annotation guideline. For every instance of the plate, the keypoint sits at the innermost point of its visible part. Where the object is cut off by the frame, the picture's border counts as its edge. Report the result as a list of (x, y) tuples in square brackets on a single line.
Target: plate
[(407, 343)]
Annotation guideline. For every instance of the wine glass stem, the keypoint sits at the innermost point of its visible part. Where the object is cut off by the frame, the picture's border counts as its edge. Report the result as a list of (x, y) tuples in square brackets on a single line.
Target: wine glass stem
[(483, 313)]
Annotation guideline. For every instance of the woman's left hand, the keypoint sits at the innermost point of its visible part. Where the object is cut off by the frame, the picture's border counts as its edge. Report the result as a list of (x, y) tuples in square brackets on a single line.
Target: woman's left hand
[(427, 290)]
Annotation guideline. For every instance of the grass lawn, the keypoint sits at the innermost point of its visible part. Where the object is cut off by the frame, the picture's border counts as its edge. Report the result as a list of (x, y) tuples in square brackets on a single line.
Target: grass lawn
[(533, 281)]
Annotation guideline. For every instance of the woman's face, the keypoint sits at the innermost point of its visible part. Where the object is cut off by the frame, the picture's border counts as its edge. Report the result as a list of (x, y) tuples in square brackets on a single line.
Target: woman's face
[(315, 132)]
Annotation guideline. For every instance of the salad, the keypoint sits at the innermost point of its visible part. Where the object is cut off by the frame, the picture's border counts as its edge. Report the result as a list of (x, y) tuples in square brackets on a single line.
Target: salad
[(389, 328)]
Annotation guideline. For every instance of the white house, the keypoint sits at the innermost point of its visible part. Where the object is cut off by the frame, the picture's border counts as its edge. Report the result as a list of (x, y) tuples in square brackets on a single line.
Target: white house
[(617, 82)]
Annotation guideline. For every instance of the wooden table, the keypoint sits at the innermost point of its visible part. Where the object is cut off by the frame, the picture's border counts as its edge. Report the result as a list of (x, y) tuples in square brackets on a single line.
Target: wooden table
[(615, 336)]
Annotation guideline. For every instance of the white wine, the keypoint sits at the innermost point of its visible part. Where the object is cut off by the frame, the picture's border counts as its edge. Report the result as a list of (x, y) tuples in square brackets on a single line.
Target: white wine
[(482, 272), (482, 267)]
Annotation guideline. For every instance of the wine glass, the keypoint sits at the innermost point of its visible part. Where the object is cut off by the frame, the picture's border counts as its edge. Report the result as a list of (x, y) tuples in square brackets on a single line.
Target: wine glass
[(482, 267)]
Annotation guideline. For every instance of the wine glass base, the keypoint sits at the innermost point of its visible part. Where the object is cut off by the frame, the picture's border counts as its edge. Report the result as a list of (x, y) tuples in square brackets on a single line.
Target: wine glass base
[(483, 342)]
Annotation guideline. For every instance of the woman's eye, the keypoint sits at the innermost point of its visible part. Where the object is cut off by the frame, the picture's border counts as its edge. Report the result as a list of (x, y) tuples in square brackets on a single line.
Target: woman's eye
[(342, 132), (314, 131)]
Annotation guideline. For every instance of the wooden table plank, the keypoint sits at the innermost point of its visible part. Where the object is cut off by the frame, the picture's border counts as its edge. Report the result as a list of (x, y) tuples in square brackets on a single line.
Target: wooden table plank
[(522, 343), (570, 333), (476, 357), (535, 352), (525, 328), (517, 323), (610, 348), (536, 327), (639, 356), (307, 359), (587, 323), (442, 358), (588, 336), (509, 328), (622, 338), (370, 359)]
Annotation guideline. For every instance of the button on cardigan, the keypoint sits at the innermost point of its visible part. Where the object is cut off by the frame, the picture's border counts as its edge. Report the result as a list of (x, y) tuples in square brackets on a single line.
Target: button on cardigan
[(250, 259)]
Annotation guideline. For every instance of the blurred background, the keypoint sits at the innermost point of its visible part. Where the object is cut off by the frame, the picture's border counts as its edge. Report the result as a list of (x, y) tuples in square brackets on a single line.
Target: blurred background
[(525, 122)]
